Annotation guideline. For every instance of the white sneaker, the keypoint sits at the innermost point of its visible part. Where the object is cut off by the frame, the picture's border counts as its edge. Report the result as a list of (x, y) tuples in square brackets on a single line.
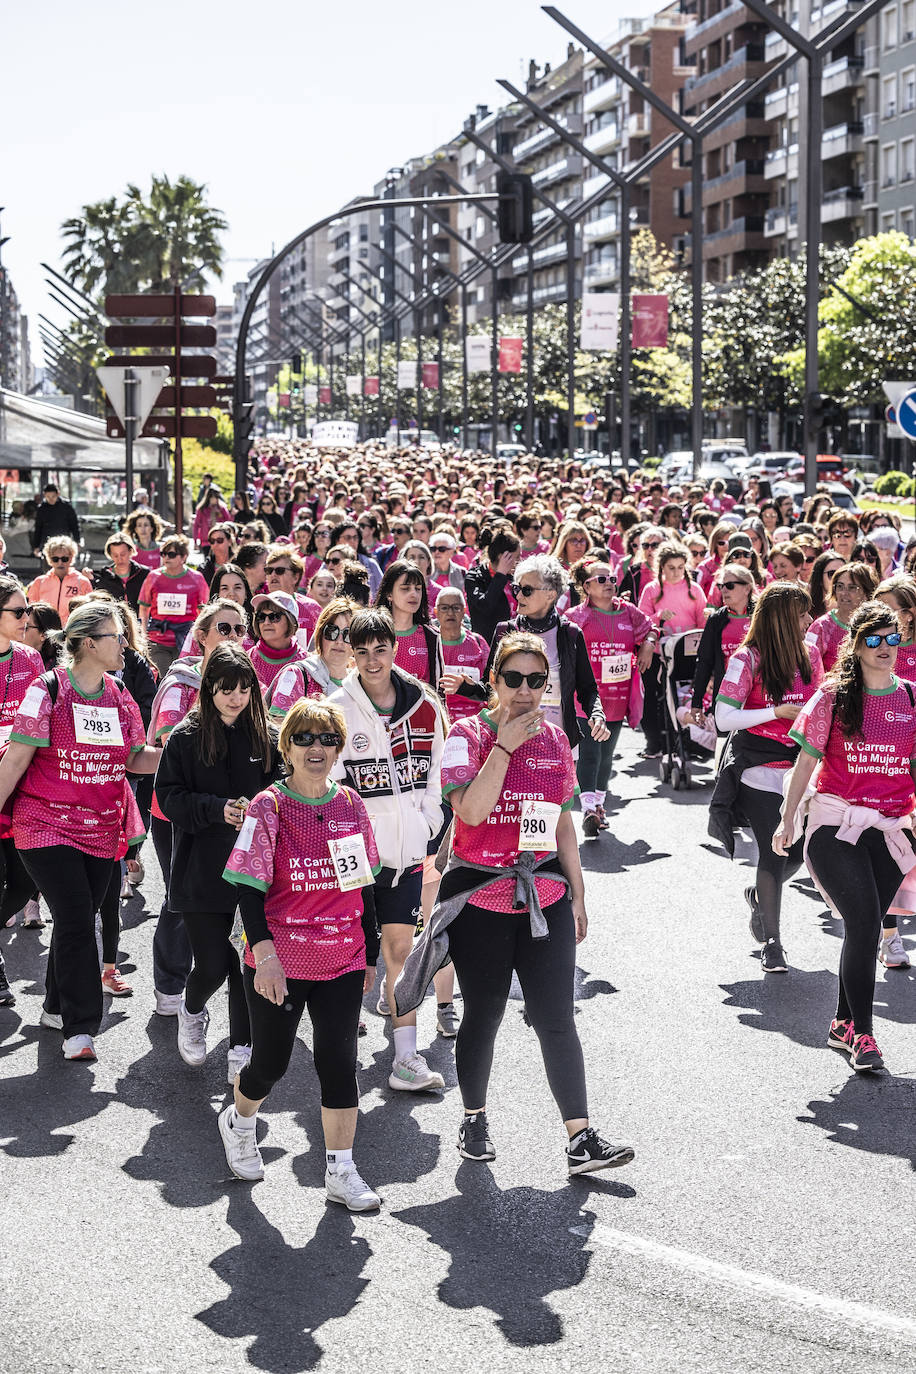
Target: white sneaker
[(52, 1019), (79, 1047), (167, 1003), (126, 890), (413, 1075), (381, 1005), (892, 953), (236, 1059), (31, 916), (242, 1153), (192, 1035), (345, 1185)]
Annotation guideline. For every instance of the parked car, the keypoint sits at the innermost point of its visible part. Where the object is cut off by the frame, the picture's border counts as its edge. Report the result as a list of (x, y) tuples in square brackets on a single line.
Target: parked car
[(830, 468), (772, 465), (839, 494)]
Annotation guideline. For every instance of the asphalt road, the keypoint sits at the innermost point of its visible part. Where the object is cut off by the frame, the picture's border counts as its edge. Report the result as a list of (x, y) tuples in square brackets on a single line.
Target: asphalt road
[(766, 1223)]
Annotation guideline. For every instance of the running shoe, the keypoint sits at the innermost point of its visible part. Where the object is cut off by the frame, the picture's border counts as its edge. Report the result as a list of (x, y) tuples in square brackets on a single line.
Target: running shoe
[(242, 1153), (192, 1035), (7, 996), (474, 1137), (135, 872), (650, 753), (52, 1019), (381, 1005), (126, 890), (841, 1035), (447, 1020), (413, 1075), (31, 916), (237, 1056), (345, 1186), (363, 1028), (892, 953), (588, 1152), (115, 985), (11, 922), (590, 825), (603, 823), (773, 957), (757, 932), (167, 1003), (79, 1047), (866, 1057)]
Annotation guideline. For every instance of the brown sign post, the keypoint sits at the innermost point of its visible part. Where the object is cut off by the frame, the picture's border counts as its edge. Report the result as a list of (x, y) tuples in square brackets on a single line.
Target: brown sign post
[(169, 332)]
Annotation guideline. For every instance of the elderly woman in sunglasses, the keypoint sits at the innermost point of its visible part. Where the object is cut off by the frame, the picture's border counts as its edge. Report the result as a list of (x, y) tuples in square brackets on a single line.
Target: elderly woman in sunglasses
[(620, 640), (540, 582), (276, 623), (323, 670), (61, 583)]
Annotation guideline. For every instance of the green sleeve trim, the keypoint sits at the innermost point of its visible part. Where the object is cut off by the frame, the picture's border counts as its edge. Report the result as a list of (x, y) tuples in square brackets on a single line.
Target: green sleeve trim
[(147, 604), (567, 806), (28, 739), (137, 748), (276, 712), (376, 870), (808, 748), (242, 880), (134, 839), (729, 701), (452, 787), (164, 730)]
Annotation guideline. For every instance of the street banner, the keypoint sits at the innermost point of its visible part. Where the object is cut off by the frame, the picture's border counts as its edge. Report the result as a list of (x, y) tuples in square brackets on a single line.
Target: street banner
[(650, 321), (478, 352), (324, 395), (284, 400), (600, 321), (310, 394), (370, 386), (354, 386), (335, 434), (407, 375), (510, 354), (430, 376)]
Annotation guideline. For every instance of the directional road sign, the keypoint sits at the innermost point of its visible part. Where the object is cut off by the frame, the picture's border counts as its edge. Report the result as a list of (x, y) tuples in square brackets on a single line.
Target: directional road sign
[(150, 381)]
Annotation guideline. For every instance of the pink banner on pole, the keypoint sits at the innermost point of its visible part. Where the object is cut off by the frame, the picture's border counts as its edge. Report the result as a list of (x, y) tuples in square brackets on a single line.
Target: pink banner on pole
[(510, 354), (430, 376), (284, 398), (650, 321), (370, 386), (324, 395)]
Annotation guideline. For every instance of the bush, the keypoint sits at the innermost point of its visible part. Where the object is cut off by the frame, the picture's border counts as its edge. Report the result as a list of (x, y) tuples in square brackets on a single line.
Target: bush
[(893, 484), (651, 463)]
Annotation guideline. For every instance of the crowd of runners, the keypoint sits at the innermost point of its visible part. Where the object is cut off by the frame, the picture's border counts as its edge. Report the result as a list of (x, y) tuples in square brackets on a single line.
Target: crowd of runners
[(358, 711)]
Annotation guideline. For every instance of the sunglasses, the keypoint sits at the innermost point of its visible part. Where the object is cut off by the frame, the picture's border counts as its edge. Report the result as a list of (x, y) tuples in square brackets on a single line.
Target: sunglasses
[(515, 679), (334, 632), (304, 739), (172, 553), (219, 540), (601, 579), (245, 535), (334, 562), (271, 616), (279, 568), (730, 586), (518, 590), (61, 558), (226, 629), (440, 548), (810, 557), (17, 611), (844, 534), (721, 543), (891, 640), (653, 546)]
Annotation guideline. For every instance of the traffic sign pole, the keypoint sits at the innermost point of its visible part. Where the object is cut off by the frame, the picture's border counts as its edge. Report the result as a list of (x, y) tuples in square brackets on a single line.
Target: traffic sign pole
[(130, 430)]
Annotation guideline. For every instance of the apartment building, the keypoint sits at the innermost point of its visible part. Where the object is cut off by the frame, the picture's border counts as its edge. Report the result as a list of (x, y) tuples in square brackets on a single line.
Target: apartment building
[(477, 172), (15, 364), (890, 120)]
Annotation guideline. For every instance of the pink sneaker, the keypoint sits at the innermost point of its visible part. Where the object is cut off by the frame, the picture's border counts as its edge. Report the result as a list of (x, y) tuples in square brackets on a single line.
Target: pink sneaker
[(841, 1035), (115, 985), (866, 1057)]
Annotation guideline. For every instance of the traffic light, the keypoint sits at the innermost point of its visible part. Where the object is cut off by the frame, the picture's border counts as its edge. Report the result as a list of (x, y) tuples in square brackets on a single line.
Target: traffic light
[(517, 428), (296, 363), (514, 211), (456, 430), (814, 410), (244, 426)]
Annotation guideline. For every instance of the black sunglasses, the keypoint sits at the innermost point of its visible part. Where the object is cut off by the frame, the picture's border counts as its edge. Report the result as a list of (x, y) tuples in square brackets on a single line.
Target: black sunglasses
[(17, 611), (279, 568), (170, 553), (730, 586), (304, 739), (226, 629), (333, 562), (218, 540), (518, 590), (271, 616), (333, 632), (61, 558), (515, 679)]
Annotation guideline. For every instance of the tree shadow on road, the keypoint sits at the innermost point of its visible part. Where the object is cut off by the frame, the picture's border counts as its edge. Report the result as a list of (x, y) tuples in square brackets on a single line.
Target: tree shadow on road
[(511, 1249), (869, 1112), (282, 1294), (798, 1005)]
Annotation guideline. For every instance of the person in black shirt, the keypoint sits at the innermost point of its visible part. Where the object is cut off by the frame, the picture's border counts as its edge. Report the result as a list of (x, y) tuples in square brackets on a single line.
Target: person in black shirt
[(54, 516)]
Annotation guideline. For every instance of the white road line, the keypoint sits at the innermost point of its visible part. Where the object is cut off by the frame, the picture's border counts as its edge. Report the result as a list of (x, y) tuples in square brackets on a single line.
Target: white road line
[(763, 1285)]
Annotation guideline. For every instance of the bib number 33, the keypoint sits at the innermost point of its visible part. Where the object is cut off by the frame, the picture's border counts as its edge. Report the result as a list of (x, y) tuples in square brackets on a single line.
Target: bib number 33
[(351, 862), (538, 825)]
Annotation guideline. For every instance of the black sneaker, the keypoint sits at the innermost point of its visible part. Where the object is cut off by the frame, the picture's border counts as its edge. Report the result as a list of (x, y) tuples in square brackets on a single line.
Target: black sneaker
[(7, 996), (757, 932), (588, 1151), (590, 824), (474, 1137), (773, 957)]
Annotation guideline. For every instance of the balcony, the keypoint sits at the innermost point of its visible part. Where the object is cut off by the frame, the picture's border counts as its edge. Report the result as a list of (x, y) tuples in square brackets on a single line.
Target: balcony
[(638, 125), (542, 257), (775, 46), (338, 254), (780, 161), (602, 97), (846, 202), (870, 126), (561, 170), (717, 24), (602, 273), (776, 221), (747, 62), (607, 227), (744, 178), (843, 74), (535, 144), (776, 103), (841, 139), (595, 183), (821, 17), (602, 141)]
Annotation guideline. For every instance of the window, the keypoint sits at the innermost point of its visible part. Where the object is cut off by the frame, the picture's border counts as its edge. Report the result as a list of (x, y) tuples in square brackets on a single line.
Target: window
[(889, 97), (889, 28), (907, 20), (888, 222), (889, 164), (907, 159), (908, 222), (908, 90)]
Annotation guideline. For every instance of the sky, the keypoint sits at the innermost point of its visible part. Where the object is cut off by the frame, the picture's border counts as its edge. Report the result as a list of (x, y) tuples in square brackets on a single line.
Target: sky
[(284, 114)]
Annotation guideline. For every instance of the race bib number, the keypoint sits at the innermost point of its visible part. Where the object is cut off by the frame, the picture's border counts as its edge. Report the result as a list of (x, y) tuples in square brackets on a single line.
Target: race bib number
[(552, 690), (472, 674), (538, 825), (97, 724), (5, 732), (32, 701), (171, 604), (246, 834), (616, 668), (351, 863)]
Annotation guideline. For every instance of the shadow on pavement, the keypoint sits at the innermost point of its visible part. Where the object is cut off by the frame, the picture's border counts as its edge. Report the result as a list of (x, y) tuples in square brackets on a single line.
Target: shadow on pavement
[(510, 1249), (607, 854), (282, 1294), (869, 1113), (37, 1104), (798, 1005)]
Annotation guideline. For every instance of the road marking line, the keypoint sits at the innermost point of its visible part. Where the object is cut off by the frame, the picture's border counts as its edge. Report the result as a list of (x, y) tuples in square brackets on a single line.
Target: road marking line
[(763, 1285)]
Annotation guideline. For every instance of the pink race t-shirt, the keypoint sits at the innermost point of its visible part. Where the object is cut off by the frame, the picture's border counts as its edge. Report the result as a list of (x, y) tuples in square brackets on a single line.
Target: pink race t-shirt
[(290, 686), (905, 666), (19, 667), (148, 558), (873, 769), (733, 634), (268, 663), (470, 654), (540, 770), (684, 598), (283, 851), (741, 686), (829, 633), (309, 611), (174, 704), (173, 599), (73, 790), (411, 653), (612, 637)]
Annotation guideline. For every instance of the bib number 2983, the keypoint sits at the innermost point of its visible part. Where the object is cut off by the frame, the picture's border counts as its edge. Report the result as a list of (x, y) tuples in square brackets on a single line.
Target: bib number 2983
[(538, 825), (97, 724), (351, 862)]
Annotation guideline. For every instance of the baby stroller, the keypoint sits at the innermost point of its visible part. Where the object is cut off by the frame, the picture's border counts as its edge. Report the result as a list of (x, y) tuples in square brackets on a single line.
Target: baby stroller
[(681, 741)]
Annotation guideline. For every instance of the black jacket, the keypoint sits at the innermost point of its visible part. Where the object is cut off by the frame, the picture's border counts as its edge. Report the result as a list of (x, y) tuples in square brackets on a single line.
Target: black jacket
[(486, 597), (140, 681), (107, 580), (193, 795), (57, 519), (710, 658), (576, 676)]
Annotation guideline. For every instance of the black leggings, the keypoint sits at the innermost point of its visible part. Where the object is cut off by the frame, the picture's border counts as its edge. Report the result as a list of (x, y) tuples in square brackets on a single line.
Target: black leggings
[(651, 723), (216, 961), (73, 885), (485, 947), (762, 812), (334, 1007), (110, 912), (860, 879)]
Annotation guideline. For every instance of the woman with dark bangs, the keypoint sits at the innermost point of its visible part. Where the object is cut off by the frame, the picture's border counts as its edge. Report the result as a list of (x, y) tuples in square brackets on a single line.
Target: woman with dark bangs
[(403, 594)]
